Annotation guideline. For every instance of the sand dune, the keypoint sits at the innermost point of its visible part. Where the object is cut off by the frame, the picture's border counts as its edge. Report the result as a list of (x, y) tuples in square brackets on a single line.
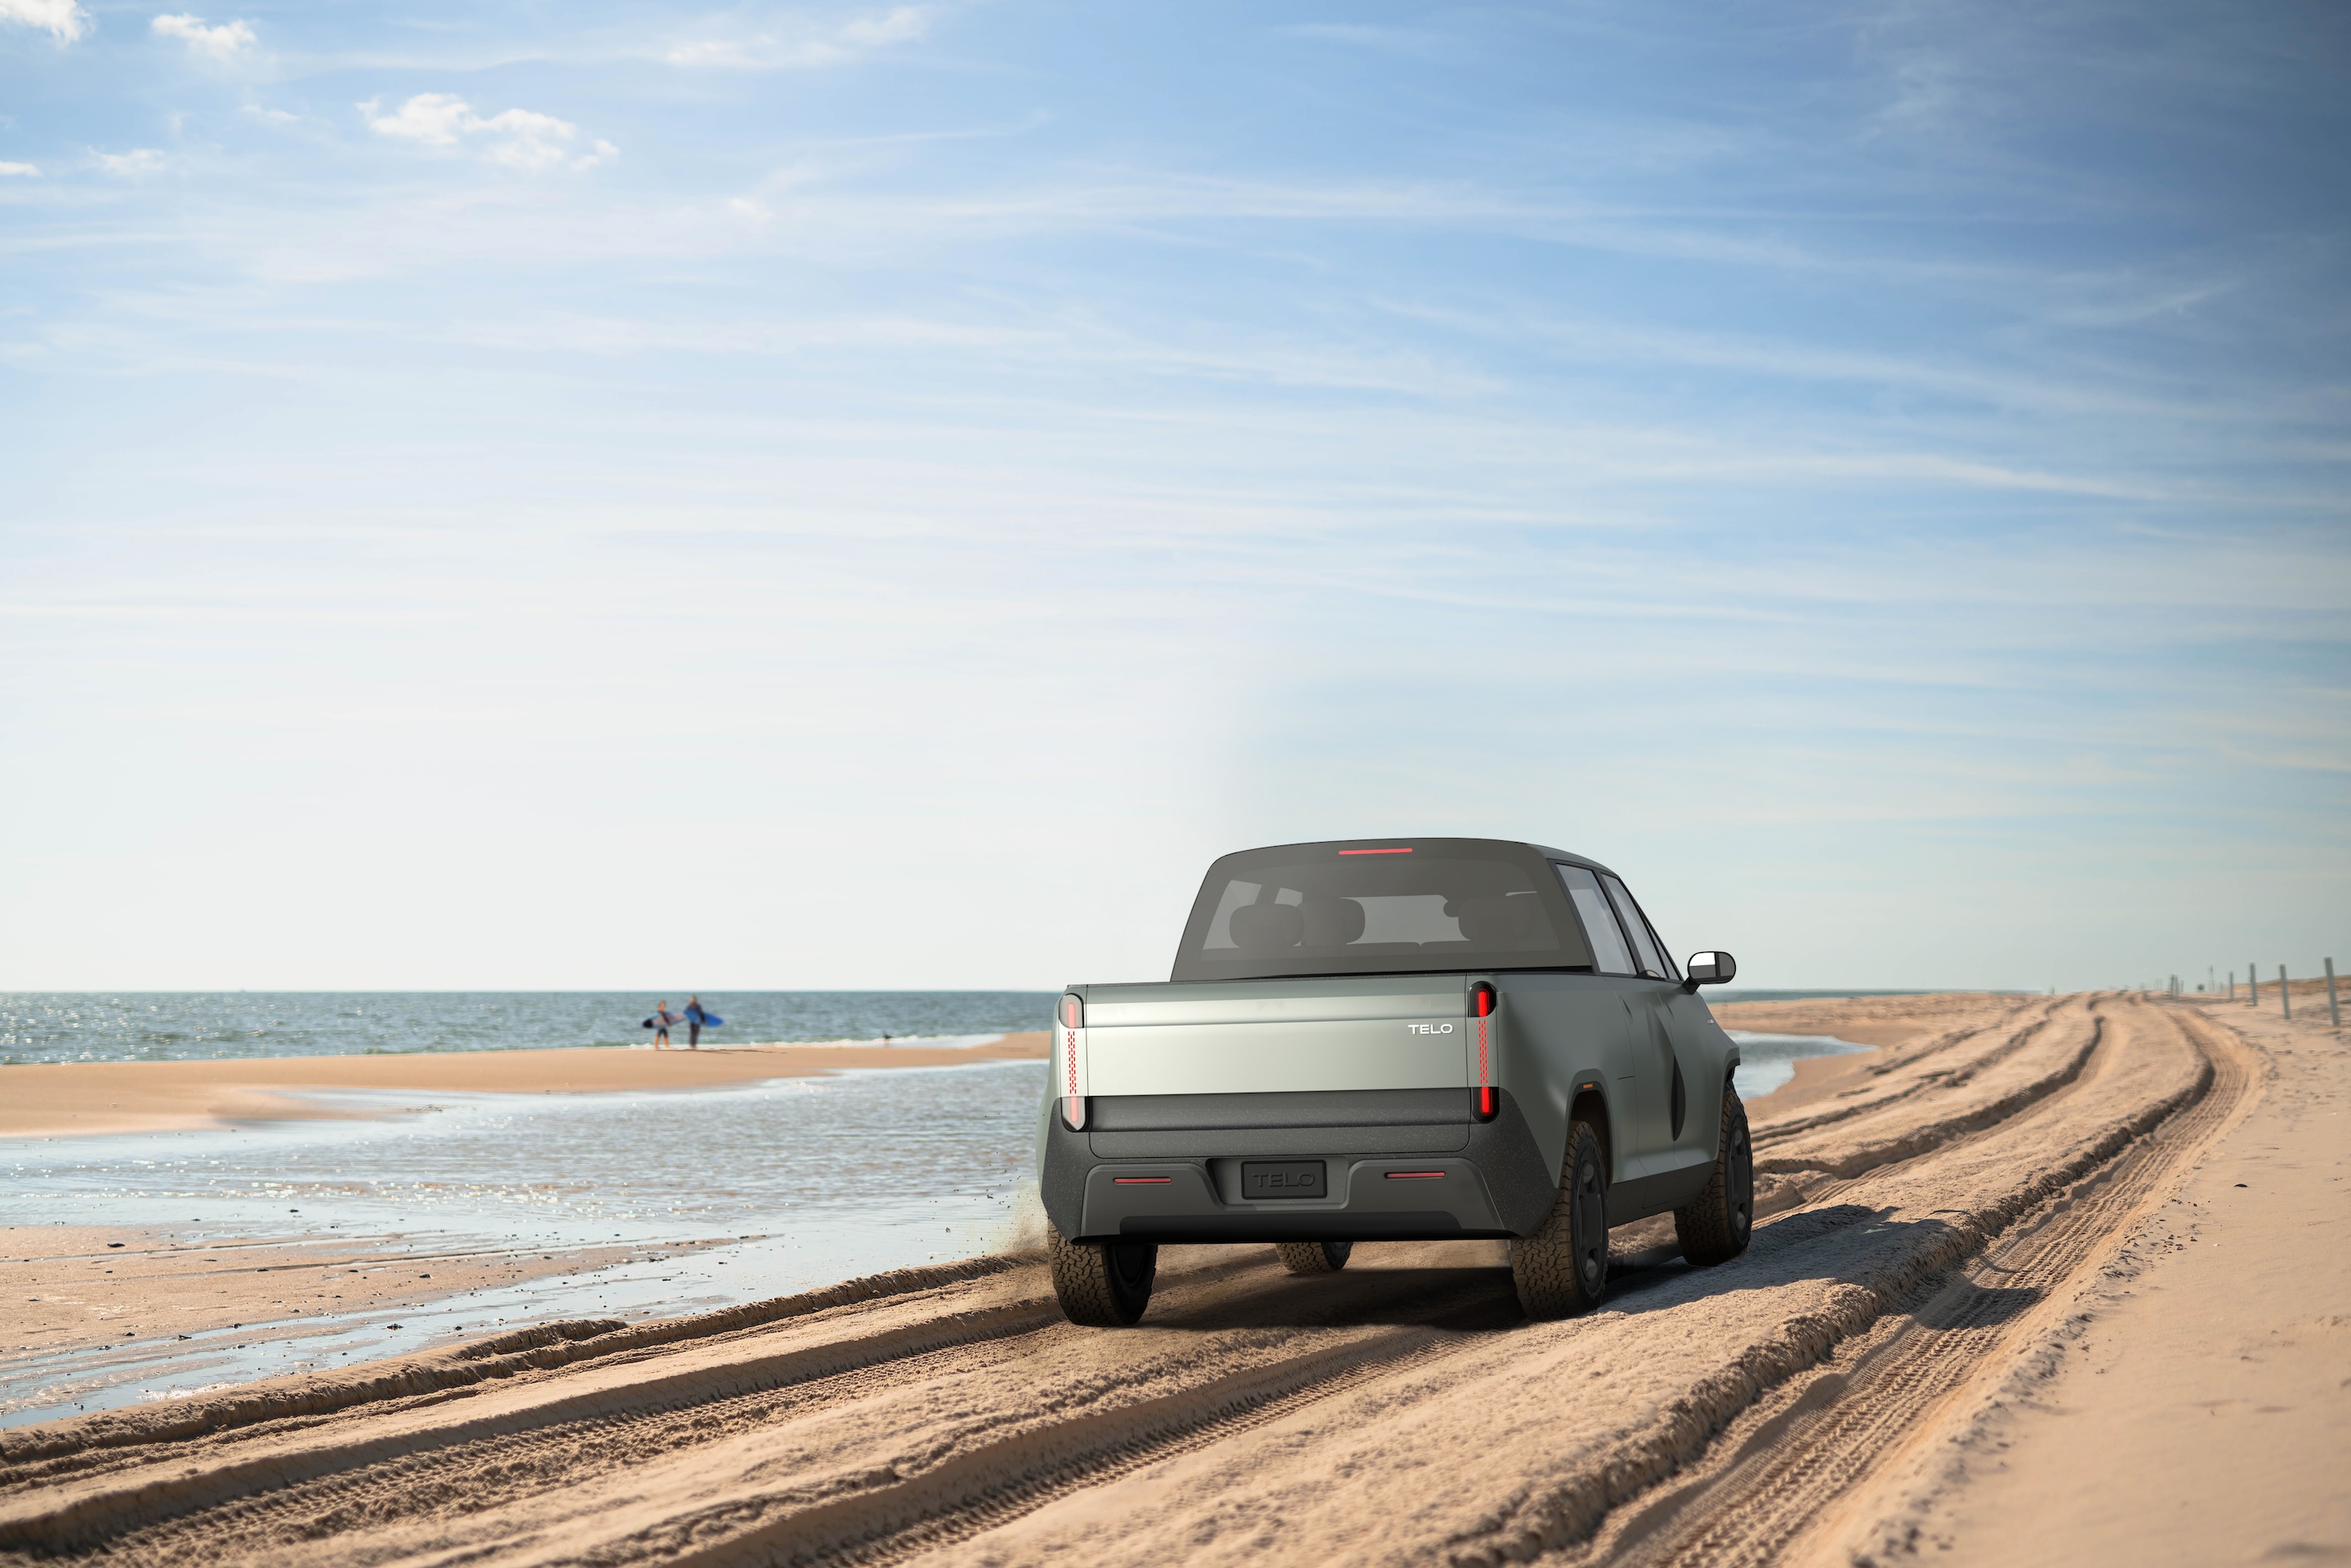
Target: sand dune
[(1947, 1214)]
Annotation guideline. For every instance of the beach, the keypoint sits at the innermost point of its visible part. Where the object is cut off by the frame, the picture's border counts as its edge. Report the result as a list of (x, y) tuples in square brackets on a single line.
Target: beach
[(2015, 1221)]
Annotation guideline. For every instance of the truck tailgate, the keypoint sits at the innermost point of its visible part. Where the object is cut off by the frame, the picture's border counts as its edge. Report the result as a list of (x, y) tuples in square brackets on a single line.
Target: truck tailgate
[(1276, 1036)]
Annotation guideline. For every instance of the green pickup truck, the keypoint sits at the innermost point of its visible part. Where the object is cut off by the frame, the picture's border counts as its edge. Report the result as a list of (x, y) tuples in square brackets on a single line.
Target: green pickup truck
[(1395, 1040)]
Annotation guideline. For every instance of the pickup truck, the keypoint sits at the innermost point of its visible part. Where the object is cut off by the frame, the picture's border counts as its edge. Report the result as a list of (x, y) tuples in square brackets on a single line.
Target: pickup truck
[(1395, 1040)]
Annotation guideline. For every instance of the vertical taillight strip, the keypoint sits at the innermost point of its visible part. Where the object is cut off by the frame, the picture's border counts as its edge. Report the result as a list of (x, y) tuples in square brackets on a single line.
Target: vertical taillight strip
[(1483, 1000), (1073, 1018)]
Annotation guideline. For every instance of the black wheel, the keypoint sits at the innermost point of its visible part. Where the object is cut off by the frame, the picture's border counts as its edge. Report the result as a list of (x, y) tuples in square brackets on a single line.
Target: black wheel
[(1562, 1268), (1313, 1257), (1101, 1284), (1714, 1226)]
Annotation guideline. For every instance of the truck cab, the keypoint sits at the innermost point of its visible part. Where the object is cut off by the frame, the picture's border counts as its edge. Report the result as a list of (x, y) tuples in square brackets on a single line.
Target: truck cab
[(1394, 1040)]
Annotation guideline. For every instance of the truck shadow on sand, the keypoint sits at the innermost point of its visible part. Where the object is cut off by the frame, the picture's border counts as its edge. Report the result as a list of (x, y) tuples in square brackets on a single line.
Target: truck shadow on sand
[(1838, 1243)]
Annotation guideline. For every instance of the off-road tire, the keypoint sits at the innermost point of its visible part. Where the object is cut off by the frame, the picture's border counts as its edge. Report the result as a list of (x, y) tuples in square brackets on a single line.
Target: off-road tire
[(1102, 1285), (1313, 1257), (1562, 1268), (1714, 1226)]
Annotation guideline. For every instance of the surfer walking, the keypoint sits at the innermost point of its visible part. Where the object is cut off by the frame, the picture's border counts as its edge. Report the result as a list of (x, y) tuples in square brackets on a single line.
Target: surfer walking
[(694, 1019), (660, 1022)]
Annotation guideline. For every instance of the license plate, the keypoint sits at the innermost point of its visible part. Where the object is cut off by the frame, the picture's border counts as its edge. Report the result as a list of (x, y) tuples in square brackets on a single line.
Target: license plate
[(1283, 1179)]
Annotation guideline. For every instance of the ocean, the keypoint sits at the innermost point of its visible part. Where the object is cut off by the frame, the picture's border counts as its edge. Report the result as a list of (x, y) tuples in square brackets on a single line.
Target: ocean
[(185, 1025)]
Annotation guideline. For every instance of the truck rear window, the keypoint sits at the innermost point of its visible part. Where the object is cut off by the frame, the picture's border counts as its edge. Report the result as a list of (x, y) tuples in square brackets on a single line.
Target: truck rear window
[(1379, 909)]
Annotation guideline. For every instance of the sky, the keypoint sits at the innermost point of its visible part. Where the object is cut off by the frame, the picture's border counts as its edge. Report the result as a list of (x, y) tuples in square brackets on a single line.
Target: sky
[(508, 496)]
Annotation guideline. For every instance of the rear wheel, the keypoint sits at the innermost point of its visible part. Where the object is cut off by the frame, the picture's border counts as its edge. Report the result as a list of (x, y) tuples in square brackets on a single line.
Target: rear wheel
[(1313, 1257), (1101, 1284), (1562, 1268), (1714, 1226)]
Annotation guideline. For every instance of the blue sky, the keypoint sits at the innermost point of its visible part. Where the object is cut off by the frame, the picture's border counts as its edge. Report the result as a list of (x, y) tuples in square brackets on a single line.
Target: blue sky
[(512, 496)]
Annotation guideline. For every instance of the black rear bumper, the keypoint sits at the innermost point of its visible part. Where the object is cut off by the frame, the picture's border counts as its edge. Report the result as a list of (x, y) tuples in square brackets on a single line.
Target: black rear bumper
[(1400, 1166)]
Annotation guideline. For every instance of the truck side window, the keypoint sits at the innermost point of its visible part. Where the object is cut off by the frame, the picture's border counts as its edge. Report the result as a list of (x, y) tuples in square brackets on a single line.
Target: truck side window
[(1609, 953), (1653, 962)]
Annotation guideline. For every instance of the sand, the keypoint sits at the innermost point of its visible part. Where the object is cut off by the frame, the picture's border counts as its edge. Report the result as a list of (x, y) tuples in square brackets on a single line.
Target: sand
[(2189, 1400), (1943, 1218), (73, 1286), (85, 1098)]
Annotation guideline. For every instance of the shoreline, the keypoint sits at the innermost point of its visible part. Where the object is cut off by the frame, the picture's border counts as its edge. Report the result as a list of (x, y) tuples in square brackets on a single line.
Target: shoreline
[(91, 1099)]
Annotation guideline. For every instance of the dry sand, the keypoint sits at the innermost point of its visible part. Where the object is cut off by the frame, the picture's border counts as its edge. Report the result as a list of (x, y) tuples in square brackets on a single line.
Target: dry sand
[(1981, 1207), (82, 1098)]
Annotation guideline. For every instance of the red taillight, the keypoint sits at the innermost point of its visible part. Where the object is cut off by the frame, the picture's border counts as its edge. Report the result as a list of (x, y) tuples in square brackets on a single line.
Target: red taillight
[(1073, 1018), (1482, 1003)]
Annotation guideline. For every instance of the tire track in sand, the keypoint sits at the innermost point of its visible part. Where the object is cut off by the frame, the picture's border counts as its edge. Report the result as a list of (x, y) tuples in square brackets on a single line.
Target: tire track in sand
[(1414, 1318), (1782, 1468)]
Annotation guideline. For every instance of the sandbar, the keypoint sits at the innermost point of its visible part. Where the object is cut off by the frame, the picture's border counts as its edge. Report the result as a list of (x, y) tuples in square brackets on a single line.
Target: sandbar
[(82, 1099)]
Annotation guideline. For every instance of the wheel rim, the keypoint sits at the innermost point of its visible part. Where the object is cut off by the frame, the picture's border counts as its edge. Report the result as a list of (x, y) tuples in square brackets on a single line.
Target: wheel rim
[(1743, 1181), (1130, 1267), (1591, 1228)]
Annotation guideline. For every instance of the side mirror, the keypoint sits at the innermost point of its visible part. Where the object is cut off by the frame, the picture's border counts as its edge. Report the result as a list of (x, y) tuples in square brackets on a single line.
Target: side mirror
[(1708, 969)]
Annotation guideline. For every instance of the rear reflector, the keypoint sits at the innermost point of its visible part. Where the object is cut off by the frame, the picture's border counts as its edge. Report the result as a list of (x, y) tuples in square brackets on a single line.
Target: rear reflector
[(1416, 1176), (1073, 1010), (1141, 1180), (1488, 1103), (1482, 1000)]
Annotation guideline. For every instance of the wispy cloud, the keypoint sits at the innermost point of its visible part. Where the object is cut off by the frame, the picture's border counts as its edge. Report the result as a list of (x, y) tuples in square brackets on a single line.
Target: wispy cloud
[(30, 169), (61, 19), (219, 44), (138, 161), (518, 138), (786, 50)]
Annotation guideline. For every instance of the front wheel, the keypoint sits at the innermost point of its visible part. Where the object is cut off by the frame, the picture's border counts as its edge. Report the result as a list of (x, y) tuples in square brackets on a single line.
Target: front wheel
[(1101, 1284), (1313, 1257), (1714, 1226), (1562, 1268)]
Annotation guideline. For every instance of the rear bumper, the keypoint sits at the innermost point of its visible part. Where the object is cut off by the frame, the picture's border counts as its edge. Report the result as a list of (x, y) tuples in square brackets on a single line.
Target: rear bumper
[(1134, 1176)]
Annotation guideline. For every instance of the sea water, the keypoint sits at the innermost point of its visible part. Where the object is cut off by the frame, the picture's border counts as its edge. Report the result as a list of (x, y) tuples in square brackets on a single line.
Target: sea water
[(167, 1026)]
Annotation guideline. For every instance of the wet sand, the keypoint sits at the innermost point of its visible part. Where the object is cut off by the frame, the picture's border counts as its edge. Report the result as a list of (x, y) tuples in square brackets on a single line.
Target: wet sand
[(72, 1287), (1992, 1182), (89, 1099)]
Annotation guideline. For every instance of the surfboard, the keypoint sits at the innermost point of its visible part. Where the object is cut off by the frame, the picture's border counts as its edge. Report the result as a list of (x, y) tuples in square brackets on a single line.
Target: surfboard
[(712, 1020)]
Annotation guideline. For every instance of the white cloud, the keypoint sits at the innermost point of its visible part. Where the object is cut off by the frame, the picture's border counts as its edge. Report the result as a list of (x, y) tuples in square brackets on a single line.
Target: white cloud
[(9, 168), (518, 138), (222, 43), (62, 19), (271, 116), (832, 46), (138, 161)]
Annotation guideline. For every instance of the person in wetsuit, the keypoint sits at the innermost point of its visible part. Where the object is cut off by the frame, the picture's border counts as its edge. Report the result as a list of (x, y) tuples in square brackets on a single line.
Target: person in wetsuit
[(660, 1022), (695, 1016)]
